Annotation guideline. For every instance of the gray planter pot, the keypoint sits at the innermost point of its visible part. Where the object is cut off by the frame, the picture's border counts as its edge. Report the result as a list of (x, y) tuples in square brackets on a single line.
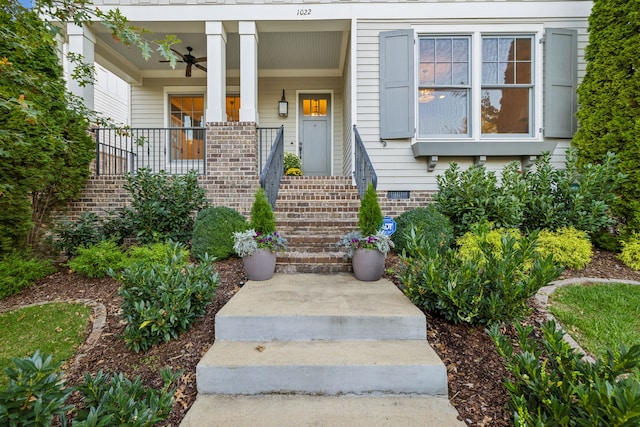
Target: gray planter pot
[(260, 265), (368, 264)]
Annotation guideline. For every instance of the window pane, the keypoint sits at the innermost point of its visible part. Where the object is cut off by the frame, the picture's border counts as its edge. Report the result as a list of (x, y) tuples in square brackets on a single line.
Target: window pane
[(186, 111), (490, 49), (233, 108), (427, 50), (489, 73), (509, 58), (443, 50), (505, 111), (523, 72), (443, 112), (460, 74), (443, 74), (427, 74), (523, 49), (460, 50)]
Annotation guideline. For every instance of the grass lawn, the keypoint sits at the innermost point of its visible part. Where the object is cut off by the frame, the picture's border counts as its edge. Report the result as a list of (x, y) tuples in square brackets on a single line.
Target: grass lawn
[(55, 328), (599, 316)]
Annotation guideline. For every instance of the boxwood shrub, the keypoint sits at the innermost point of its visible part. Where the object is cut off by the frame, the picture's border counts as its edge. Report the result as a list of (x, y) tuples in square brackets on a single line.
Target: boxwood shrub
[(213, 232)]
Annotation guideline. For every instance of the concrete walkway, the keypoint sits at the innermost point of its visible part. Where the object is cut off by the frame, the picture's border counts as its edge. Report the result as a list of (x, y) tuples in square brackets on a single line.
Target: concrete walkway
[(321, 350)]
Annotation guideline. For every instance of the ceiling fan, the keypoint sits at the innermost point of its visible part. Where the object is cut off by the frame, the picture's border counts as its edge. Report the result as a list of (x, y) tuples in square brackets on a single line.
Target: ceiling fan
[(190, 60)]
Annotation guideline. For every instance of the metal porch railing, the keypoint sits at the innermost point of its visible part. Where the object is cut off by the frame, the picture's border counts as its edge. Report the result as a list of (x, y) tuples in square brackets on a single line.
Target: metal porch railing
[(173, 150), (363, 168), (274, 168), (266, 139)]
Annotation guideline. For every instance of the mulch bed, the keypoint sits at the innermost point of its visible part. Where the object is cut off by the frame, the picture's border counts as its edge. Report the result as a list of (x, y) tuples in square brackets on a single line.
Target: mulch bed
[(475, 370)]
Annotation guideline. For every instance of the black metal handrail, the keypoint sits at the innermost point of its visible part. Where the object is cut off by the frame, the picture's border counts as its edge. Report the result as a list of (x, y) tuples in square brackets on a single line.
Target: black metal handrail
[(266, 138), (274, 168), (363, 168), (173, 150)]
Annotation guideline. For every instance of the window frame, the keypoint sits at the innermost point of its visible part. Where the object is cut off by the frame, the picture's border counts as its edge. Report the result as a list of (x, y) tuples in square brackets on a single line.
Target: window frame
[(476, 33), (170, 91)]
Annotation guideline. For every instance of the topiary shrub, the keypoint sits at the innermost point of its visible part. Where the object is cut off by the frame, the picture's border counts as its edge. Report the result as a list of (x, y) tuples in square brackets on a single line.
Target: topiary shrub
[(428, 222), (96, 260), (630, 254), (263, 220), (213, 232), (369, 214), (569, 247)]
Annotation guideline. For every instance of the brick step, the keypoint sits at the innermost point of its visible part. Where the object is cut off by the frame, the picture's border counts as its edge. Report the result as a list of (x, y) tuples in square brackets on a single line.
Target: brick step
[(309, 262)]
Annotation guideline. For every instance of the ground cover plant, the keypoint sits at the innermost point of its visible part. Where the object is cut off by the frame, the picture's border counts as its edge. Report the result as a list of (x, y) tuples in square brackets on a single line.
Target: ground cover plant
[(599, 317), (54, 328), (18, 271)]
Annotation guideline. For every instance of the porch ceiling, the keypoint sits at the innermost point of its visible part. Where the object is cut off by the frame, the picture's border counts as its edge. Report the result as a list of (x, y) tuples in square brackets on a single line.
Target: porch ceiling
[(285, 50)]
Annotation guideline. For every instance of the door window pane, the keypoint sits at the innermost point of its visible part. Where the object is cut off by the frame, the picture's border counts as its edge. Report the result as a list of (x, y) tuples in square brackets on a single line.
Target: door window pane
[(233, 108), (187, 111), (314, 107)]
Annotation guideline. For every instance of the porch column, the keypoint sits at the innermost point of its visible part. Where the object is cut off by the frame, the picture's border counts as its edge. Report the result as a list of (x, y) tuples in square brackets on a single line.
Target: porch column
[(216, 72), (248, 71), (81, 42)]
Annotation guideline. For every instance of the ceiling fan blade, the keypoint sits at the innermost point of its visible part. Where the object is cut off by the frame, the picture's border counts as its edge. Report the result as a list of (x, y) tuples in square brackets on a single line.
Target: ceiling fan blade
[(201, 59), (178, 54), (187, 72), (201, 67)]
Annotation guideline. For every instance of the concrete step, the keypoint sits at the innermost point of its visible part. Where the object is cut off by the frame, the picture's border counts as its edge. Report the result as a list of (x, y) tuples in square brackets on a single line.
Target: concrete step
[(319, 307), (313, 262), (308, 411), (321, 367)]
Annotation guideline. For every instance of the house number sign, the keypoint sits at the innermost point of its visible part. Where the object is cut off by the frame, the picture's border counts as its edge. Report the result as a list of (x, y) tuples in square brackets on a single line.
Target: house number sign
[(304, 12)]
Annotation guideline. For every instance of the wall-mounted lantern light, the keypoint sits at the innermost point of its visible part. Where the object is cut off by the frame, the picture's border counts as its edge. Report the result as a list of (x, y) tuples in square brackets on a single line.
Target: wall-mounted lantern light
[(283, 106)]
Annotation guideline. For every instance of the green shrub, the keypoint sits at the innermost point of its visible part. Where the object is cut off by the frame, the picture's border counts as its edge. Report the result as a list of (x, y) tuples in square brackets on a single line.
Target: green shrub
[(630, 254), (36, 392), (569, 247), (162, 300), (85, 232), (96, 260), (213, 232), (578, 197), (153, 254), (428, 222), (608, 99), (163, 205), (116, 400), (369, 214), (18, 272), (552, 385), (473, 196), (291, 161), (487, 287), (469, 245), (263, 221)]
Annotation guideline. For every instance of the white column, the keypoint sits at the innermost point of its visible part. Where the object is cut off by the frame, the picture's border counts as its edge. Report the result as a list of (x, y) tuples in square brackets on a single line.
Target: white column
[(248, 71), (216, 72), (81, 42)]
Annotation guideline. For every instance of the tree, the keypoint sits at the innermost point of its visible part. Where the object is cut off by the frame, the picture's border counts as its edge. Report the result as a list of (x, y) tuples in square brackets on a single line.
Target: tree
[(609, 98), (45, 150)]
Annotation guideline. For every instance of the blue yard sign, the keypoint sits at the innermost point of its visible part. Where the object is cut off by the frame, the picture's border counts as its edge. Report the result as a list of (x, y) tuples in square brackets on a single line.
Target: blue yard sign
[(388, 225)]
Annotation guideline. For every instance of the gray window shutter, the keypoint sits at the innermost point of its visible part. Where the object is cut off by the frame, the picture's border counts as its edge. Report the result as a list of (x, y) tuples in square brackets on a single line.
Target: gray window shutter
[(397, 93), (560, 82)]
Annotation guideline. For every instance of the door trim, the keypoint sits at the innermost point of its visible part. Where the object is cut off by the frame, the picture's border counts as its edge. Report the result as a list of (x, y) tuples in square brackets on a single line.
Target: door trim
[(331, 117)]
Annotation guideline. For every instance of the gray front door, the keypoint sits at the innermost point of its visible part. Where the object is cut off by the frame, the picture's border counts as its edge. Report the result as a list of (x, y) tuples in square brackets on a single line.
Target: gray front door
[(315, 133)]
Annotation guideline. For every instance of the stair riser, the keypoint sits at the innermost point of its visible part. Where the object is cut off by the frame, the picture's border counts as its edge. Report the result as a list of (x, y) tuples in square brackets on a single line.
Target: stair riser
[(331, 380), (306, 328)]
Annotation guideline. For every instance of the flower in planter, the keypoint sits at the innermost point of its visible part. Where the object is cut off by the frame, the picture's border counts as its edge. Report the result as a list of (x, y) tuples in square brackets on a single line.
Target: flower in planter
[(293, 172), (355, 240), (249, 241)]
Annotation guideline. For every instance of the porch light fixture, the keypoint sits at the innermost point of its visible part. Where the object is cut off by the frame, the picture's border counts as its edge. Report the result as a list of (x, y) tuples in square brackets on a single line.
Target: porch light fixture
[(283, 106)]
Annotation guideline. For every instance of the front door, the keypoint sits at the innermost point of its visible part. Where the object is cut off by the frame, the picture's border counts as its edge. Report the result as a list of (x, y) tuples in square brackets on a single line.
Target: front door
[(315, 133)]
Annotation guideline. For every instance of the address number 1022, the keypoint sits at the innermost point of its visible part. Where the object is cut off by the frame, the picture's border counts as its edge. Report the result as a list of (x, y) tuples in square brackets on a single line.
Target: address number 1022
[(303, 12)]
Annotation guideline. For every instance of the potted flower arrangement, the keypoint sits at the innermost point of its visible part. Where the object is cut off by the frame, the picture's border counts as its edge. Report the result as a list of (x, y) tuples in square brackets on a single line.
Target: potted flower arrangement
[(258, 245), (368, 246)]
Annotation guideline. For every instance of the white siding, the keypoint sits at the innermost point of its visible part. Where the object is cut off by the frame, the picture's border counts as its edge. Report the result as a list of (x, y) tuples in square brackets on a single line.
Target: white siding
[(111, 96), (395, 164)]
